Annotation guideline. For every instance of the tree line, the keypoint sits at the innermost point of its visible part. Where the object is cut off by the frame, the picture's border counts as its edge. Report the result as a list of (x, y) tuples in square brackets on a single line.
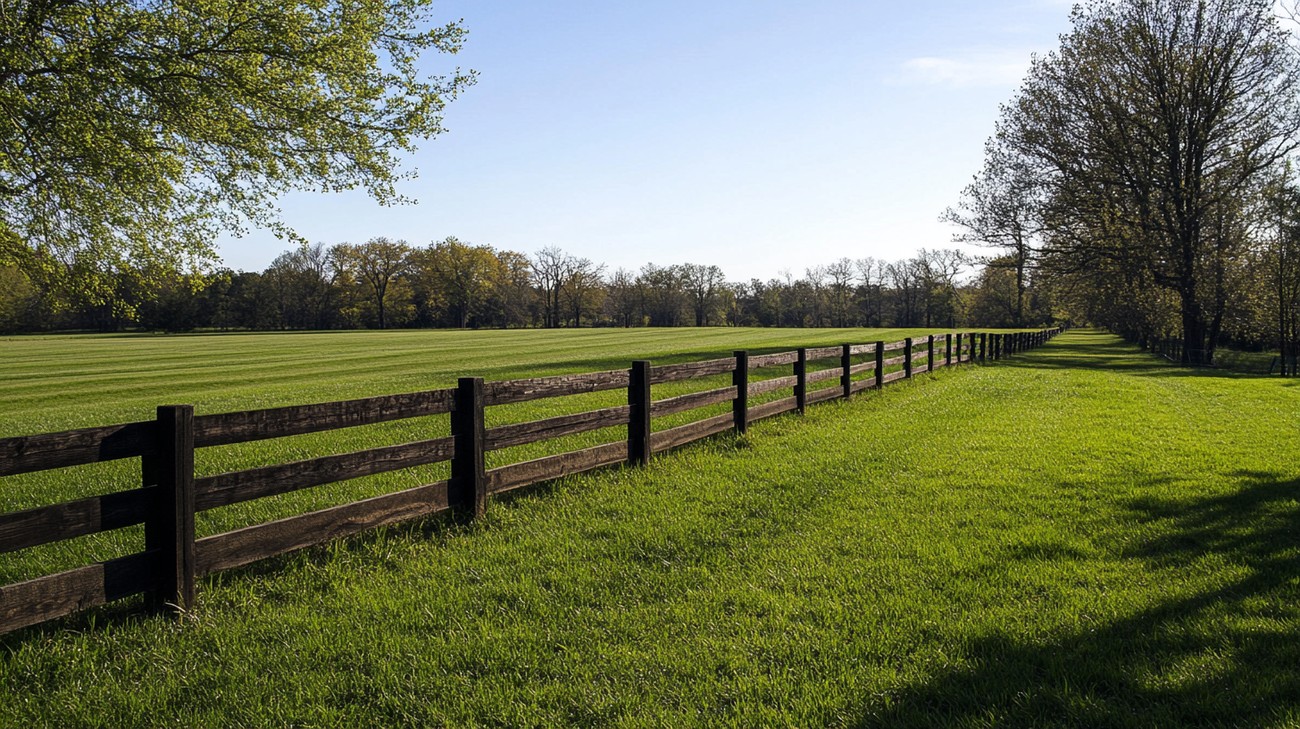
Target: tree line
[(1143, 173), (385, 283)]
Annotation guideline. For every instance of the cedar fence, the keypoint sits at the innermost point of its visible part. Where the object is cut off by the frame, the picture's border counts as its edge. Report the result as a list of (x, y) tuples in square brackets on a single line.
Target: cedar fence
[(173, 560)]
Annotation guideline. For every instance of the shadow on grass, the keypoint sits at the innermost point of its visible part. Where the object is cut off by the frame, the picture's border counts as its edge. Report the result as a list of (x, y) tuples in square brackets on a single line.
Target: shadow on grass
[(1228, 655), (1090, 349)]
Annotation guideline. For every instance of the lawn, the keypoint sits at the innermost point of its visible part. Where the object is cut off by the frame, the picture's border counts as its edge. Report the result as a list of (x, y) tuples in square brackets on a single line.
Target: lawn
[(1081, 536)]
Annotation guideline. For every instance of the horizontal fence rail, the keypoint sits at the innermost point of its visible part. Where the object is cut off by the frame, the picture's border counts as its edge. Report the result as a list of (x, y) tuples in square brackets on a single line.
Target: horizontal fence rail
[(169, 497)]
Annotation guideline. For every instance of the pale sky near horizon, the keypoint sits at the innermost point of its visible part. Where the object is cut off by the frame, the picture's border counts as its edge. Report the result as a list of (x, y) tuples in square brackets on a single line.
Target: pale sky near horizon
[(760, 136)]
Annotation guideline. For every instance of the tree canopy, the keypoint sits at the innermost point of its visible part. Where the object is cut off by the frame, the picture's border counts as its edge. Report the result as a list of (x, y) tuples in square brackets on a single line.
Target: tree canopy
[(134, 130)]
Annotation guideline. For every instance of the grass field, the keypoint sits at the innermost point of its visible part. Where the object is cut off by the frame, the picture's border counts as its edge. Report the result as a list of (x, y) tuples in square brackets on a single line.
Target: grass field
[(1081, 536)]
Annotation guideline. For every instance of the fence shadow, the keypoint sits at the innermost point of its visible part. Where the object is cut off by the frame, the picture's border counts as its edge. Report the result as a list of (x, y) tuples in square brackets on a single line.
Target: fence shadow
[(1227, 655)]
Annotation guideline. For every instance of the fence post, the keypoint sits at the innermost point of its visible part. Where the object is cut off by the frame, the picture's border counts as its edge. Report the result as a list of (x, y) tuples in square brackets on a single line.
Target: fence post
[(947, 349), (984, 347), (846, 363), (638, 426), (880, 365), (740, 403), (960, 341), (907, 358), (929, 354), (467, 490), (170, 532), (801, 381)]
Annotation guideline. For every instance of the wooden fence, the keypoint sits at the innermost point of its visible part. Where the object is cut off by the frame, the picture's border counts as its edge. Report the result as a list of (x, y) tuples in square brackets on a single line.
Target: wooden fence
[(170, 496)]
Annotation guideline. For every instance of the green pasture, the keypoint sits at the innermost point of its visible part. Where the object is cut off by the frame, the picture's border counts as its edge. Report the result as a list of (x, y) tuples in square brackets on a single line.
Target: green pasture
[(1081, 536)]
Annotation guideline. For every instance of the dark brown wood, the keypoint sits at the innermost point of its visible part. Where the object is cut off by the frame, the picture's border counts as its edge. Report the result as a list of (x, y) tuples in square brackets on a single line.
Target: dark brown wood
[(638, 428), (801, 381), (239, 486), (816, 353), (824, 394), (54, 596), (71, 519), (947, 349), (254, 425), (858, 369), (929, 354), (984, 347), (907, 358), (684, 434), (740, 402), (846, 370), (769, 409), (535, 388), (831, 373), (467, 488), (170, 531), (505, 436), (536, 471), (775, 383), (255, 543), (772, 360), (691, 370), (29, 453), (880, 364), (682, 403)]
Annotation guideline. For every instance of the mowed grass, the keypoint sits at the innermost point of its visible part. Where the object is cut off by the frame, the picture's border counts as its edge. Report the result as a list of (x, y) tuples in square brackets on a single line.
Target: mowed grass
[(1082, 536)]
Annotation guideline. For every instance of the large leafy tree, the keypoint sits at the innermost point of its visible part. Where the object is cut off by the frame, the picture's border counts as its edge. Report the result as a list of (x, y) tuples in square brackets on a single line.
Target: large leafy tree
[(132, 131)]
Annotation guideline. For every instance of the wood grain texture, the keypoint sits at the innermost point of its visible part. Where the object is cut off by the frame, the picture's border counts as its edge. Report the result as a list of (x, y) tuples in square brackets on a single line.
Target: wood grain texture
[(505, 436), (691, 370), (861, 385), (824, 394), (893, 361), (769, 409), (858, 369), (255, 425), (71, 519), (54, 596), (893, 376), (239, 486), (823, 375), (823, 352), (776, 383), (895, 345), (773, 360), (251, 544), (519, 475), (535, 388), (29, 453), (681, 435), (863, 348), (682, 403)]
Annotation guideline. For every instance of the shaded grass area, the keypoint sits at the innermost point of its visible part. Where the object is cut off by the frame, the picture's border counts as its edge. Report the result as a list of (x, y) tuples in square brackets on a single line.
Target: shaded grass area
[(1081, 536)]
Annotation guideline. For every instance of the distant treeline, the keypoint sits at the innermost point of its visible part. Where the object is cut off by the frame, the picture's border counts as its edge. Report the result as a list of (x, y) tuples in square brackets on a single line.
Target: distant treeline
[(386, 284)]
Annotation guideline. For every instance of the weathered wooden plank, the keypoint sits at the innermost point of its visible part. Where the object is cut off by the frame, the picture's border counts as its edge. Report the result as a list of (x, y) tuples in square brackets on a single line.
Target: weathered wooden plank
[(823, 375), (682, 403), (71, 519), (505, 436), (54, 596), (673, 437), (823, 352), (772, 360), (892, 376), (776, 383), (519, 475), (863, 349), (893, 361), (895, 345), (920, 369), (239, 486), (858, 369), (535, 388), (826, 393), (29, 453), (253, 425), (691, 370), (863, 385), (254, 543), (769, 409)]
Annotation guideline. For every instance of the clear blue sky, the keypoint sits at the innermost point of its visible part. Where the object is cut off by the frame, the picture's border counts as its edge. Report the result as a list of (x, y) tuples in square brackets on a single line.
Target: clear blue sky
[(758, 136)]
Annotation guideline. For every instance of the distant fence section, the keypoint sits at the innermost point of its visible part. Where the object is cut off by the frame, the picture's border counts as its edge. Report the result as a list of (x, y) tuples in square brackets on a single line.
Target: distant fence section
[(173, 560)]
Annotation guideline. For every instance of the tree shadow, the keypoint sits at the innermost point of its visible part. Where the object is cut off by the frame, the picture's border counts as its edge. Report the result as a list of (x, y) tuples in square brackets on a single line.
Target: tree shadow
[(1227, 655)]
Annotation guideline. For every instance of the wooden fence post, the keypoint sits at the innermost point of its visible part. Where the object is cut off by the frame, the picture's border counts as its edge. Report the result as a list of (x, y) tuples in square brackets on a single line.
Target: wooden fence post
[(170, 532), (740, 403), (960, 342), (638, 427), (929, 354), (947, 349), (846, 363), (907, 358), (467, 489), (801, 381), (880, 365), (984, 347)]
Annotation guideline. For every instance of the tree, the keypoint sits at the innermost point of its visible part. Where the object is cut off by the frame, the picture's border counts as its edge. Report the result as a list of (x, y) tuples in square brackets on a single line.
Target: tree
[(1146, 126), (703, 284), (134, 131), (550, 268), (582, 288), (376, 265)]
